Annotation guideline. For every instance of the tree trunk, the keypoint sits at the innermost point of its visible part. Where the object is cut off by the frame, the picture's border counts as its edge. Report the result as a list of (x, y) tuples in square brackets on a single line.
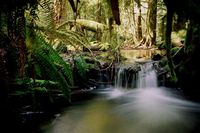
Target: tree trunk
[(134, 21), (99, 19), (150, 36), (152, 20), (73, 6), (21, 42), (57, 10), (17, 32), (139, 25), (162, 28), (168, 43), (115, 11)]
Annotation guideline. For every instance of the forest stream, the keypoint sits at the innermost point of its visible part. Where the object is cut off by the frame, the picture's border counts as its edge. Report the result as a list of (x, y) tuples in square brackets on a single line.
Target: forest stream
[(146, 108), (99, 66)]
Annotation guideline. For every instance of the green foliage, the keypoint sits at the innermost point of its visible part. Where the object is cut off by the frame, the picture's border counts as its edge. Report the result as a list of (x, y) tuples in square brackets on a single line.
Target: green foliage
[(160, 43), (179, 35), (182, 34), (81, 66), (56, 33), (60, 47), (40, 89), (37, 70), (45, 15), (31, 91), (31, 86), (64, 37), (49, 64), (104, 46), (108, 9), (174, 50), (42, 83), (72, 38)]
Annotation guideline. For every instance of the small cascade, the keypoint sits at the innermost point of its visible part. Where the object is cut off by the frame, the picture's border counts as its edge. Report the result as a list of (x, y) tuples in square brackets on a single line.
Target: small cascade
[(121, 78), (147, 76), (126, 77)]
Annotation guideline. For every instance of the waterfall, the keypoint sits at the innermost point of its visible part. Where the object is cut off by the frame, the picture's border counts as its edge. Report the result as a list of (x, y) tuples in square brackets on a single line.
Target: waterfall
[(126, 77), (121, 78), (147, 76)]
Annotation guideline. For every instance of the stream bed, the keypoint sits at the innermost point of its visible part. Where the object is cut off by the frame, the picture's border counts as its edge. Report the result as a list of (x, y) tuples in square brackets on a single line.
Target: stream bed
[(146, 108)]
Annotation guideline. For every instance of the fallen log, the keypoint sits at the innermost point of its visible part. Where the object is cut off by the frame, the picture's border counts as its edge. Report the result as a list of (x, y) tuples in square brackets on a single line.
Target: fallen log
[(87, 24)]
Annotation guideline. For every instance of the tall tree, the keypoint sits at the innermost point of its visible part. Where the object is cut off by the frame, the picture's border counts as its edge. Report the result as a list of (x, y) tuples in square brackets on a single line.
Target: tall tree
[(139, 20), (99, 19), (115, 11), (152, 21), (161, 19), (149, 37), (168, 43), (21, 33), (134, 21)]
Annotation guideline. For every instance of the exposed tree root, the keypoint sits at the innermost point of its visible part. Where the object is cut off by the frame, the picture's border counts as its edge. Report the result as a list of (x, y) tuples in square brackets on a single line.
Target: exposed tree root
[(144, 43)]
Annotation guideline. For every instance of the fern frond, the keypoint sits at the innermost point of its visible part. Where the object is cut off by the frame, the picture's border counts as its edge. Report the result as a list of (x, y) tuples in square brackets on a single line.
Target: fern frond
[(45, 47), (81, 65), (46, 14), (51, 71), (68, 37), (52, 66)]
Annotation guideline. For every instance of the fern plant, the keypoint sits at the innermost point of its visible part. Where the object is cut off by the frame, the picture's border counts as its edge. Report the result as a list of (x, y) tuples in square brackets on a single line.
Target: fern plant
[(81, 66), (49, 64), (55, 33)]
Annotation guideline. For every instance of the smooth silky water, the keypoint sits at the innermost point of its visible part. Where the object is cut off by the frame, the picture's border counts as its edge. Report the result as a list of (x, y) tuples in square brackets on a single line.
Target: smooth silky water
[(144, 109)]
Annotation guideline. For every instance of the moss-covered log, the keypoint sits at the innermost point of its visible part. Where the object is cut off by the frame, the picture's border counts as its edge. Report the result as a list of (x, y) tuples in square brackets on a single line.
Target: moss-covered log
[(86, 24)]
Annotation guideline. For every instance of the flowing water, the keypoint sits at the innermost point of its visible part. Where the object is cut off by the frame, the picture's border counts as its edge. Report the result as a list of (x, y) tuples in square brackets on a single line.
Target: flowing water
[(144, 109)]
